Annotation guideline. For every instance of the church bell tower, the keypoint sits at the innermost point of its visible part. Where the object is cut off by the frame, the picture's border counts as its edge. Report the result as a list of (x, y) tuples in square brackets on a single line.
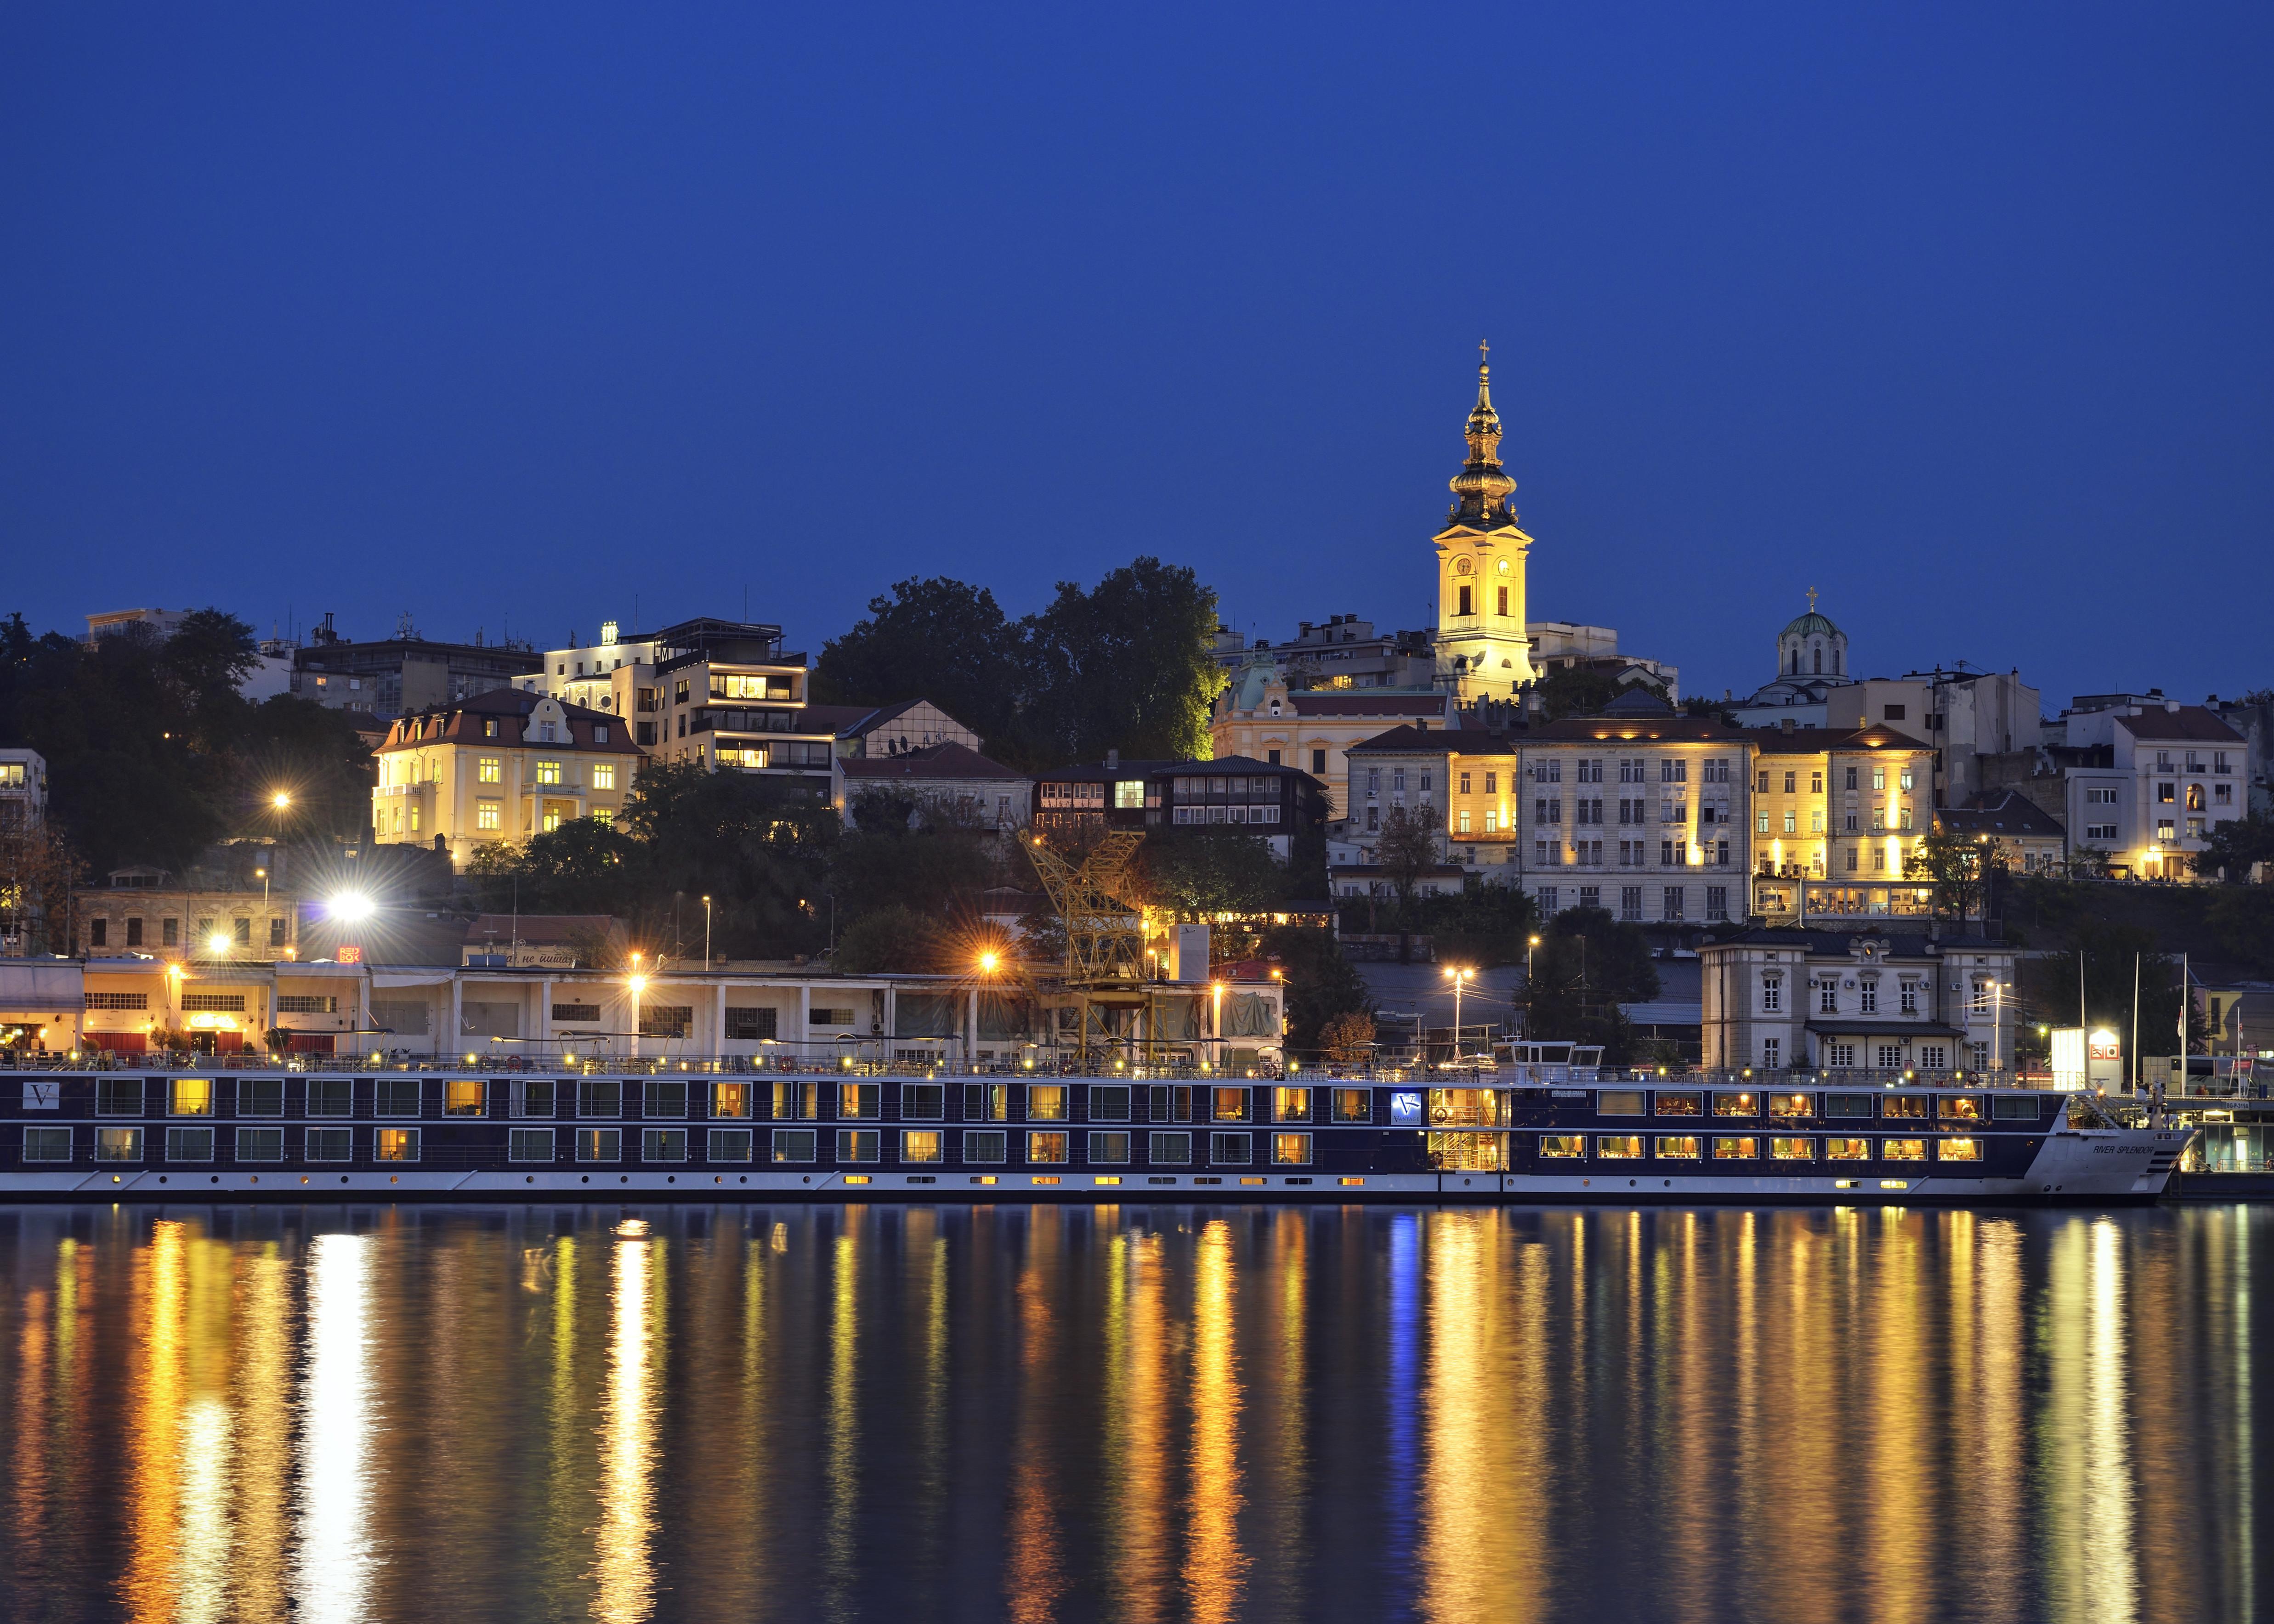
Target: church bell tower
[(1482, 651)]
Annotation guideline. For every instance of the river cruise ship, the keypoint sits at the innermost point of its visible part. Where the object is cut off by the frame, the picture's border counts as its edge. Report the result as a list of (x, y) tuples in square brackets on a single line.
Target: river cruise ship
[(343, 1081), (1529, 1129)]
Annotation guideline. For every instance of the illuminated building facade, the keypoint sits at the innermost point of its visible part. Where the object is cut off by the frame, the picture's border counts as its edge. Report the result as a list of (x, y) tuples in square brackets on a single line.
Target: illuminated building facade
[(1483, 650), (2154, 781), (1836, 813), (504, 766)]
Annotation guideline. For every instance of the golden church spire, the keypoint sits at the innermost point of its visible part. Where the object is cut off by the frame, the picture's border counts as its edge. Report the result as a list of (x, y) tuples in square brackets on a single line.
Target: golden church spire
[(1483, 487)]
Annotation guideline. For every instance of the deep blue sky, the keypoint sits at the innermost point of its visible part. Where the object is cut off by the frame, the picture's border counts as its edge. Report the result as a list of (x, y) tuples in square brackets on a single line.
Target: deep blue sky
[(505, 314)]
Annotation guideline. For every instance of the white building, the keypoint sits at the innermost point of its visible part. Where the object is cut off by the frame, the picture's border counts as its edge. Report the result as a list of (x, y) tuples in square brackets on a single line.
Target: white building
[(1965, 715), (2156, 781), (1812, 661), (1871, 1004), (23, 788), (946, 784)]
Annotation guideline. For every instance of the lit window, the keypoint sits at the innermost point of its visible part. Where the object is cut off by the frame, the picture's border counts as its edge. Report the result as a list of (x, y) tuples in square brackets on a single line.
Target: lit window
[(1291, 1150), (1792, 1150), (1736, 1150), (1563, 1146), (489, 770), (1848, 1150), (462, 1097), (1619, 1147), (1902, 1150), (488, 814), (1958, 1150), (1046, 1149), (604, 775), (395, 1145), (921, 1146), (1678, 1147), (548, 772)]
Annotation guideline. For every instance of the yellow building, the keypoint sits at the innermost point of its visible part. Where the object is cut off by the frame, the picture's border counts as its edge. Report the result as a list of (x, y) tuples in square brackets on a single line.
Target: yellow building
[(505, 765), (1483, 650), (1836, 814)]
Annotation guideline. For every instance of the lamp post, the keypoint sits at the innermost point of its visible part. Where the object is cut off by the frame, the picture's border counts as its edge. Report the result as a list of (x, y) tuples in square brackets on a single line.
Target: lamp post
[(706, 936), (1460, 978), (639, 985)]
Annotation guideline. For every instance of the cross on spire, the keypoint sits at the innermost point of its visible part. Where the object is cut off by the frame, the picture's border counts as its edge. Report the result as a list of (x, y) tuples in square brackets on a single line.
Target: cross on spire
[(1811, 600)]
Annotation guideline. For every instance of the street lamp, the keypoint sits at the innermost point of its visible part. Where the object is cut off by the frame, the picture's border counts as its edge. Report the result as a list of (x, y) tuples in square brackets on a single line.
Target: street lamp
[(706, 936), (1460, 978), (218, 944), (1529, 944)]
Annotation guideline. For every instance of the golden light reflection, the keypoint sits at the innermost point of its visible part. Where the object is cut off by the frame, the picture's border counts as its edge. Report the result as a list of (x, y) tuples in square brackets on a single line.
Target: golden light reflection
[(840, 1459), (1215, 1568), (264, 1436), (332, 1577), (624, 1572), (2085, 1463), (1135, 1446), (1478, 1523), (1898, 1551), (1035, 1576), (28, 1463), (149, 1591)]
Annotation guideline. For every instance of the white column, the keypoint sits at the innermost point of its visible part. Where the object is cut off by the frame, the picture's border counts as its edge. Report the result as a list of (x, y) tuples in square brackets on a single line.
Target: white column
[(804, 1018), (718, 1020), (544, 1033), (457, 1014)]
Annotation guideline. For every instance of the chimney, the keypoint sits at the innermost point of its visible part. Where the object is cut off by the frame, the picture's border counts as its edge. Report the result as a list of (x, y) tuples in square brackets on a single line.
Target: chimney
[(1113, 760)]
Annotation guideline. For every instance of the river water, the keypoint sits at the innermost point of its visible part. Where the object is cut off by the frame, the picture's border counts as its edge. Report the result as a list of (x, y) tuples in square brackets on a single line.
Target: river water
[(1142, 1413)]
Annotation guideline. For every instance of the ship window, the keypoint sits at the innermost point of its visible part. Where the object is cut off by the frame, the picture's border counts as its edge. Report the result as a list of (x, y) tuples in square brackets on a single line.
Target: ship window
[(797, 1144), (1847, 1105), (1792, 1150), (1734, 1105), (986, 1145), (1290, 1105), (1291, 1149), (1354, 1105), (1961, 1107), (119, 1143), (665, 1099), (1108, 1102), (797, 1103), (920, 1146), (189, 1144), (1792, 1105), (1046, 1149), (1169, 1149), (729, 1145), (260, 1096), (529, 1145), (1848, 1150), (1562, 1145), (858, 1145), (2013, 1108), (860, 1101), (600, 1098), (1677, 1147), (192, 1096), (731, 1100), (260, 1144), (395, 1145), (1110, 1149), (1906, 1105), (1046, 1102), (55, 1143), (663, 1145), (462, 1097), (600, 1143), (1619, 1102), (1679, 1105), (1902, 1150), (1958, 1150), (1619, 1147), (923, 1101), (1736, 1150), (1228, 1149), (1229, 1105)]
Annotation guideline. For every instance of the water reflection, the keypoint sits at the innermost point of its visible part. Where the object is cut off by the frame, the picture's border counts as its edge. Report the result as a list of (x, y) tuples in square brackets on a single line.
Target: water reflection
[(1135, 1414), (332, 1578)]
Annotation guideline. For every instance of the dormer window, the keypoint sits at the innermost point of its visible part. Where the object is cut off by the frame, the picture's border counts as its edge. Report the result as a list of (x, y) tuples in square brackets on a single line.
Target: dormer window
[(489, 727)]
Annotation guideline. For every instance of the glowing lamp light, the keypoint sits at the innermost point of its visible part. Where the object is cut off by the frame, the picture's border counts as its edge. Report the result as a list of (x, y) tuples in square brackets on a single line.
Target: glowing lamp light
[(218, 942), (280, 800), (638, 983), (350, 906), (987, 963)]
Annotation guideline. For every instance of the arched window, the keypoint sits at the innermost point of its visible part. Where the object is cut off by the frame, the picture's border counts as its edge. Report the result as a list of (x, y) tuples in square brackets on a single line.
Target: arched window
[(1819, 660), (1795, 659), (1835, 663)]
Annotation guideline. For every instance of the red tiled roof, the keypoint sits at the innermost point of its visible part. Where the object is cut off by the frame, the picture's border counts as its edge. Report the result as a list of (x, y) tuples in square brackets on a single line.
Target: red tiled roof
[(1815, 740), (510, 708)]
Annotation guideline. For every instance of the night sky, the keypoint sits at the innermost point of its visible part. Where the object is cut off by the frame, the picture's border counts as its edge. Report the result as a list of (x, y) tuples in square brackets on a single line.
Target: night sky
[(501, 315)]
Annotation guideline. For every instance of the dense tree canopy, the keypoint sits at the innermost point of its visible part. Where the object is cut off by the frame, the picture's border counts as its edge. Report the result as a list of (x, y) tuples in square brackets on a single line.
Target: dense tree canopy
[(152, 755), (1587, 965), (1127, 664)]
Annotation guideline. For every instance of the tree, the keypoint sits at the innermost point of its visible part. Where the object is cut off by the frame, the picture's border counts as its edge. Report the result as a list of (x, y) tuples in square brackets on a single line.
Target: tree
[(1406, 851), (1586, 965), (1964, 869), (1129, 665), (888, 939), (933, 639), (2234, 846), (1575, 691), (1482, 925), (39, 871), (1194, 873), (1320, 984), (2242, 918), (1348, 1039)]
